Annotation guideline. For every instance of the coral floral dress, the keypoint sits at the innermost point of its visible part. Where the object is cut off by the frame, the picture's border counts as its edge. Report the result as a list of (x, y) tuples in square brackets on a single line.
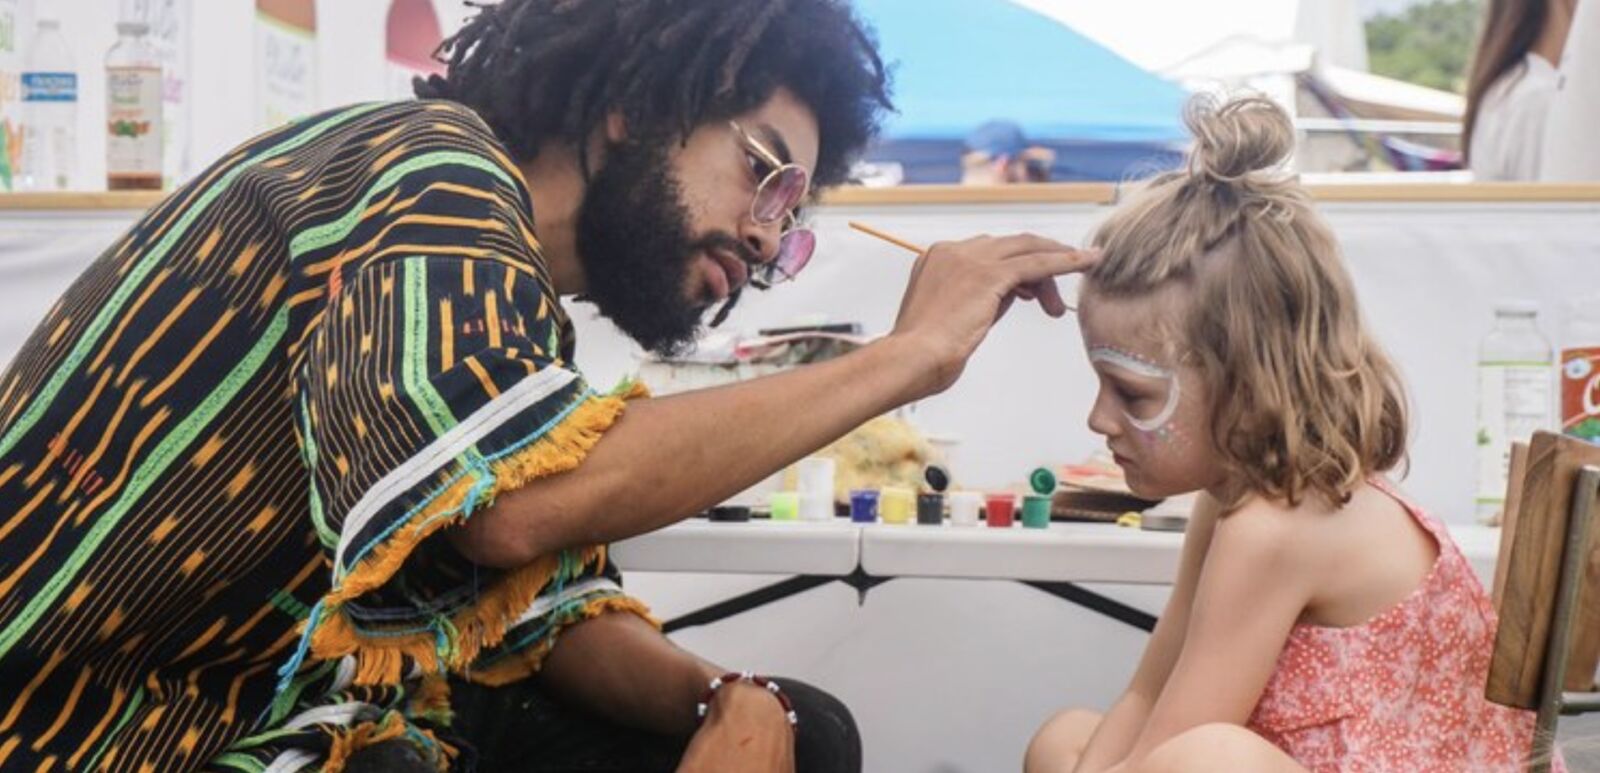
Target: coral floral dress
[(1403, 691)]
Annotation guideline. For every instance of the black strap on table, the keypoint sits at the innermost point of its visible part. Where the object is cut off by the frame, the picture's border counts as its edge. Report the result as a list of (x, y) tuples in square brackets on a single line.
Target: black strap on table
[(777, 591), (864, 582), (1088, 599), (745, 602)]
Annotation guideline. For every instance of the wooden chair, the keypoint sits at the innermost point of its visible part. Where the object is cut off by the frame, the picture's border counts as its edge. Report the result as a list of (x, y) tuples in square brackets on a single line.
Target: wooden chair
[(1547, 587)]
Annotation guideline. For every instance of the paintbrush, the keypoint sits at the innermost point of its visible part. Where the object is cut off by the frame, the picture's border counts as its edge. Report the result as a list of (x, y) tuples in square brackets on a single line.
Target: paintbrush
[(903, 244), (895, 240)]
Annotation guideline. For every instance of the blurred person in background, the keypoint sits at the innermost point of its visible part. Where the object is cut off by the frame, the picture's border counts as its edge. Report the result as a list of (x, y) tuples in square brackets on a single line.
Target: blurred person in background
[(1569, 149), (997, 153), (1512, 81)]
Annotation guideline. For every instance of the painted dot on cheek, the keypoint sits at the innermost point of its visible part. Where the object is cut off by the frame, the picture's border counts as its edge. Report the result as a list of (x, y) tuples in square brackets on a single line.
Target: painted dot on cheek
[(1166, 434)]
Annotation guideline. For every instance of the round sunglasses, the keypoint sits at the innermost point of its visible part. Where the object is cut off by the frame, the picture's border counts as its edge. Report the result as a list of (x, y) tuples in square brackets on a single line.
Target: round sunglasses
[(781, 188)]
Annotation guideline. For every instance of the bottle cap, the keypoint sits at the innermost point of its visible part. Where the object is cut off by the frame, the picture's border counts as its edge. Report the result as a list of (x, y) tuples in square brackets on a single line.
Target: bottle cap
[(937, 477), (729, 513), (133, 28), (1520, 307), (1043, 481)]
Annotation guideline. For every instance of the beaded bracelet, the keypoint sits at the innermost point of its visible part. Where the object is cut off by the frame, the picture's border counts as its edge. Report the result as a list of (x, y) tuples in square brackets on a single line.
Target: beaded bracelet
[(770, 686)]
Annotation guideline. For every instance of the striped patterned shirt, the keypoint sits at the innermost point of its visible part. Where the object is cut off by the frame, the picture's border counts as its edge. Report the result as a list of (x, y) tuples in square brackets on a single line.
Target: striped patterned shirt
[(224, 451)]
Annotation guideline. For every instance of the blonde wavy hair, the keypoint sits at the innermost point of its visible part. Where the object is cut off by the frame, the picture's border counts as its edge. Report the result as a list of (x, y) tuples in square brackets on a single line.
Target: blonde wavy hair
[(1302, 399)]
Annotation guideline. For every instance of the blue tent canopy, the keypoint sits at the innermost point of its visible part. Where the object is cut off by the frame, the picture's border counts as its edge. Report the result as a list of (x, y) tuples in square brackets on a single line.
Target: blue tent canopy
[(959, 63)]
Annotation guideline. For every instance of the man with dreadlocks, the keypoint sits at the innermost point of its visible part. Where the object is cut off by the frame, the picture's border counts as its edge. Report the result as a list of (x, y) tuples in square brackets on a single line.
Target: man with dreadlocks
[(302, 466)]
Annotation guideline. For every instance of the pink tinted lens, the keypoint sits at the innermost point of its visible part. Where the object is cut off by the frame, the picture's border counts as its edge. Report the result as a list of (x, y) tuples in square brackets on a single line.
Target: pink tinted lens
[(794, 252), (779, 193)]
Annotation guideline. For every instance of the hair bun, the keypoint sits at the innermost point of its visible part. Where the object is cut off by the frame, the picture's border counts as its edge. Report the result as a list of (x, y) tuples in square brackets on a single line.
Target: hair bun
[(1238, 136)]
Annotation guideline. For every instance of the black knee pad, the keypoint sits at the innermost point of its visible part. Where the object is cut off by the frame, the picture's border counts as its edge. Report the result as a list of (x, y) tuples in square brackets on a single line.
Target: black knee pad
[(827, 740), (397, 755)]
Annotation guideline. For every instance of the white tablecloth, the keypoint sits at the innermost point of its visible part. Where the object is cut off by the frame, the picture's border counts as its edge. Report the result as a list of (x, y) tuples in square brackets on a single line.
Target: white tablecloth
[(753, 547), (1066, 552)]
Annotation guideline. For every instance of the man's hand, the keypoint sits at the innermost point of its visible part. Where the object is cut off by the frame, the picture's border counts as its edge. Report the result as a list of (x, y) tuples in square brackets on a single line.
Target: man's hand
[(958, 290), (746, 730)]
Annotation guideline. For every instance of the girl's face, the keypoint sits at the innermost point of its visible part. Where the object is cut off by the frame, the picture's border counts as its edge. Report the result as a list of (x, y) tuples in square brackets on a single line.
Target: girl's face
[(1151, 408)]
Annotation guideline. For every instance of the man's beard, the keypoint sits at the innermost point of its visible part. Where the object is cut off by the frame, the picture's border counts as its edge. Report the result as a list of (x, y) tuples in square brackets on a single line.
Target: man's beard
[(633, 238)]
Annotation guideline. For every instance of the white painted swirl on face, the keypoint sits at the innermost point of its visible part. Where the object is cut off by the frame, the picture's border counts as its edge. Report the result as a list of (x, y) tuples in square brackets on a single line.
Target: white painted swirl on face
[(1140, 366)]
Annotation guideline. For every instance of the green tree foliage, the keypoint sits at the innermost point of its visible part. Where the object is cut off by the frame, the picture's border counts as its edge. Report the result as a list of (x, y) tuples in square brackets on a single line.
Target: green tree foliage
[(1429, 44)]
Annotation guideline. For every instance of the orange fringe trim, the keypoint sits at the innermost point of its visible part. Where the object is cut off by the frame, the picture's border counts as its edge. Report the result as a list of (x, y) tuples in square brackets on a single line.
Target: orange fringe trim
[(381, 660), (391, 726), (431, 699), (525, 663)]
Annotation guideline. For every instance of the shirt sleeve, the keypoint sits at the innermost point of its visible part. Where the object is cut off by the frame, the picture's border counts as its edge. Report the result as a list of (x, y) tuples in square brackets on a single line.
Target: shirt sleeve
[(432, 379)]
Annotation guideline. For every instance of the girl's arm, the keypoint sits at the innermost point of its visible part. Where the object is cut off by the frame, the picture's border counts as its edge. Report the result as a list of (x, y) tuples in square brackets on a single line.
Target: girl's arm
[(1254, 585), (1123, 723)]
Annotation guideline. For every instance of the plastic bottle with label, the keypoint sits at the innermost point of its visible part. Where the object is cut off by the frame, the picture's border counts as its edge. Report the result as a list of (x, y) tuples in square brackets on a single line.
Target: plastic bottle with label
[(1580, 370), (1514, 395), (50, 112), (133, 110)]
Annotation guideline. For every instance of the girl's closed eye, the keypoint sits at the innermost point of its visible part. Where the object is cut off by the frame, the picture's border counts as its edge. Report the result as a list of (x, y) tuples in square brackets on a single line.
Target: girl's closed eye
[(1132, 398), (1141, 399)]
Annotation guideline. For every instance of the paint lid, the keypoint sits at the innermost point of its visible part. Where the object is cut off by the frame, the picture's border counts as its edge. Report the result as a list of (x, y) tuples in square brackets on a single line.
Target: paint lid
[(937, 477), (729, 513), (1043, 481), (864, 495)]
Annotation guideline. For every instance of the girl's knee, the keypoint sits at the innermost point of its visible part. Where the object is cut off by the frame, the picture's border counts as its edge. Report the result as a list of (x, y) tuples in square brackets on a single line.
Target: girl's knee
[(1218, 746), (1059, 742)]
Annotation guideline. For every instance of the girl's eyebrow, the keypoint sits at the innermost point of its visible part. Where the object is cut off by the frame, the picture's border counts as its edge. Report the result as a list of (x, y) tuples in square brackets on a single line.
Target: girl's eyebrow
[(1128, 361)]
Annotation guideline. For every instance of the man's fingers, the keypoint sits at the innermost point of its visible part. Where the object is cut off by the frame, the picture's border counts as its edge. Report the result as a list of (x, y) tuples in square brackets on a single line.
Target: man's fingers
[(1022, 244), (1035, 266), (1005, 306), (1049, 295)]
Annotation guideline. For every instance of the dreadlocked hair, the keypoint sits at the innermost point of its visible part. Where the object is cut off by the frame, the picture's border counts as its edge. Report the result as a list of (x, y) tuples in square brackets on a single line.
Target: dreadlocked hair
[(551, 70)]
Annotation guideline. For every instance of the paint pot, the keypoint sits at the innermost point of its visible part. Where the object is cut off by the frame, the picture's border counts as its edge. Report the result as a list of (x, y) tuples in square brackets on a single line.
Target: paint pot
[(964, 507), (930, 509), (816, 487), (816, 473), (896, 505), (785, 506), (816, 507), (1036, 511), (729, 514), (864, 506), (1001, 509)]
